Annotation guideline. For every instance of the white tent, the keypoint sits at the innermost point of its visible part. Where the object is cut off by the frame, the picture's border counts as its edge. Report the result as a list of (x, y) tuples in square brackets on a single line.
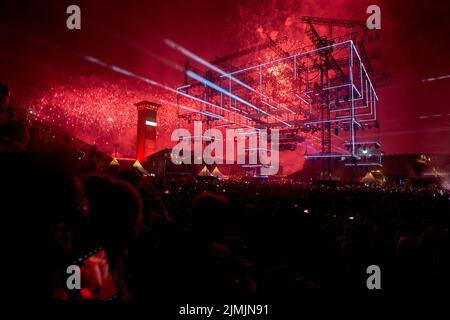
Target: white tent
[(205, 172), (140, 168), (216, 173), (369, 178), (114, 162)]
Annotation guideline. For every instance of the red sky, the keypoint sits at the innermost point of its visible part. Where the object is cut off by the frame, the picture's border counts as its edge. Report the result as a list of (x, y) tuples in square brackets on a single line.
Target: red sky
[(415, 45)]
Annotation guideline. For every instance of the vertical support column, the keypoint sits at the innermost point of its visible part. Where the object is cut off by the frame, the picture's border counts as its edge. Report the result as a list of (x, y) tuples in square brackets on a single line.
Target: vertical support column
[(325, 119), (352, 110)]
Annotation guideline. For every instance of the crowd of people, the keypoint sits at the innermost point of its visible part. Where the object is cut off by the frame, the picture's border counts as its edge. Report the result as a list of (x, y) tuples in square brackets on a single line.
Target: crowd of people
[(138, 237)]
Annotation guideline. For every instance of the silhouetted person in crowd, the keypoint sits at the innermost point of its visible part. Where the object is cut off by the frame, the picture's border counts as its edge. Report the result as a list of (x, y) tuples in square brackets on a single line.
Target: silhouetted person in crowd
[(6, 110), (212, 268), (40, 226), (14, 136), (115, 216), (210, 217), (131, 176)]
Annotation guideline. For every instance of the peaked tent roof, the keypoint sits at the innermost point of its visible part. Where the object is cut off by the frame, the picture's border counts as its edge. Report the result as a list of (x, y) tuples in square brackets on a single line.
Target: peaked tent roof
[(216, 172), (369, 178), (140, 168), (114, 162), (205, 172)]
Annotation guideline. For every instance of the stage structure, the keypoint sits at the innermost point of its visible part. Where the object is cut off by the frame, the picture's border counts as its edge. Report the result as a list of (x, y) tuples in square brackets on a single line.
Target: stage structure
[(322, 96)]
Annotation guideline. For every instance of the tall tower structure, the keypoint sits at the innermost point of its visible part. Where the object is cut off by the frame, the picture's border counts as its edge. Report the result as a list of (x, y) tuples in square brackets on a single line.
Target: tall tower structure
[(146, 129)]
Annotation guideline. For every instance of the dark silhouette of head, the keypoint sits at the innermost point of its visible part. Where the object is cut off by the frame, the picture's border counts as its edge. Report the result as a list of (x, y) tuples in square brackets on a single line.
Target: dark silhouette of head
[(131, 176), (115, 213), (16, 134), (39, 219), (4, 97), (210, 216)]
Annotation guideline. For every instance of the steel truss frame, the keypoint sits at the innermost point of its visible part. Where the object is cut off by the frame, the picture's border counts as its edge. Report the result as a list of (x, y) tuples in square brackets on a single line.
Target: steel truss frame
[(313, 92)]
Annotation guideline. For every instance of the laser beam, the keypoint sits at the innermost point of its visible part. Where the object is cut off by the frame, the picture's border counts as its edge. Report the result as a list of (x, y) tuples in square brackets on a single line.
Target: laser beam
[(207, 64)]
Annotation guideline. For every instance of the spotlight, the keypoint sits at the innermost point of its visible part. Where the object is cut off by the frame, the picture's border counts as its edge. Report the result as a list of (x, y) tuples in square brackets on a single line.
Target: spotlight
[(365, 150)]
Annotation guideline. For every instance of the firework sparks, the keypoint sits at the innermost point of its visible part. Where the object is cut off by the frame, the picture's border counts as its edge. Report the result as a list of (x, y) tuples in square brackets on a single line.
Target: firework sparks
[(100, 111)]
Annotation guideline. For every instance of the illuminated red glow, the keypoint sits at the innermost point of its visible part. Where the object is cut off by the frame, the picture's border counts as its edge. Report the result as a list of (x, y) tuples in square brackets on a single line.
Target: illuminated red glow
[(100, 111)]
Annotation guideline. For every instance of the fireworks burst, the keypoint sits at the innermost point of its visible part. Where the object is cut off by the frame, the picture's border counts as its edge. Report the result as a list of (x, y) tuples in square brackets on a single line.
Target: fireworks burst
[(100, 111)]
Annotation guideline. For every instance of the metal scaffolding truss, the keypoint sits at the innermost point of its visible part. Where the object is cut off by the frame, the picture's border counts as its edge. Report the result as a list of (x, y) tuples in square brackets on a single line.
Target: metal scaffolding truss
[(323, 94)]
